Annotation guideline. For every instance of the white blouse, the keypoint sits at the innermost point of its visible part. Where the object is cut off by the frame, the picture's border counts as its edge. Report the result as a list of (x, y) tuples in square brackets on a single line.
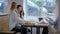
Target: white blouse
[(14, 19)]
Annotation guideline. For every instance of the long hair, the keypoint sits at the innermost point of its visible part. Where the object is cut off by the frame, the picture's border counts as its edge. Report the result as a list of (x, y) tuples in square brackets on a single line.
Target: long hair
[(21, 11), (13, 6)]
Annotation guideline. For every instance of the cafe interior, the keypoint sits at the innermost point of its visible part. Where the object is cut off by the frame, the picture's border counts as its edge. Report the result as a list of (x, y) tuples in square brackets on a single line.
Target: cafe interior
[(29, 16)]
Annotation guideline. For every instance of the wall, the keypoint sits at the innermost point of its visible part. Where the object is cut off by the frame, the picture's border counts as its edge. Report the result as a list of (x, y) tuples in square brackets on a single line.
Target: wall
[(3, 23), (57, 8), (59, 16), (57, 11)]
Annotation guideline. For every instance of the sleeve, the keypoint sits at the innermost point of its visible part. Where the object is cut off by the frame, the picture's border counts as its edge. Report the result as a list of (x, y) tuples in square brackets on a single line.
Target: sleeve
[(12, 21), (51, 21), (18, 19)]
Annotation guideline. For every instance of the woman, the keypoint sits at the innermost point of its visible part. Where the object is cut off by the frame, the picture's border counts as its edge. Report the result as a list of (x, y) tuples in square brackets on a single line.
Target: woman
[(11, 16), (53, 24), (15, 18), (20, 13)]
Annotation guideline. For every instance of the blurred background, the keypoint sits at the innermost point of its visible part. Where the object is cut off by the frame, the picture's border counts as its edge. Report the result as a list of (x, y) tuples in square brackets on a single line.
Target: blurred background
[(33, 10)]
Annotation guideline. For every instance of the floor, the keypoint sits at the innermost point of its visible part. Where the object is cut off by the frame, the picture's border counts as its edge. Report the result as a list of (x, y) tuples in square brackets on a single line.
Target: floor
[(34, 31)]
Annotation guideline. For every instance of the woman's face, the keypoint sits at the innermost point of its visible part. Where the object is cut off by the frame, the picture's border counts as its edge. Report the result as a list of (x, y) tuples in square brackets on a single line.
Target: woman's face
[(19, 9)]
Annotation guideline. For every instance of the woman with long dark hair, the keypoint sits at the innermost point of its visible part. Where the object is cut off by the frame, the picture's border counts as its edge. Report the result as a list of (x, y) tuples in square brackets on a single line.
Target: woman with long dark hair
[(20, 13)]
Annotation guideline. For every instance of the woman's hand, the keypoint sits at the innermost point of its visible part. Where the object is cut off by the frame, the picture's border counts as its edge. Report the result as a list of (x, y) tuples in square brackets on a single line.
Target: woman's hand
[(26, 22), (29, 22)]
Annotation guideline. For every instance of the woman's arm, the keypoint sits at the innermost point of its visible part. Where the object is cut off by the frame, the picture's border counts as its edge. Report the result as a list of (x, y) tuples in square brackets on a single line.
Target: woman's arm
[(18, 19)]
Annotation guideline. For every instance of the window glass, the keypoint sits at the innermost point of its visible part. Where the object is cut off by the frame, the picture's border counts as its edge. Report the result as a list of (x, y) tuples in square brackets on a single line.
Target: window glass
[(39, 8), (3, 7)]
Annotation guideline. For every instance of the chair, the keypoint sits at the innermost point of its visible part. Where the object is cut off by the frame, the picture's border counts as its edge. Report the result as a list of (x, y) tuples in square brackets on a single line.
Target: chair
[(6, 32), (54, 31)]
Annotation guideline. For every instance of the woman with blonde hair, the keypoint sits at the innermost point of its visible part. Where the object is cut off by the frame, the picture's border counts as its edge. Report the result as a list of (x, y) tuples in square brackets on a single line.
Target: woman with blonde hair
[(16, 20), (11, 15), (13, 6)]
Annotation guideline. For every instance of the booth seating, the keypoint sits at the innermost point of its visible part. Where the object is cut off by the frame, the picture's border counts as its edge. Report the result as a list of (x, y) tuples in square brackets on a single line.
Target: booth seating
[(54, 31), (6, 32)]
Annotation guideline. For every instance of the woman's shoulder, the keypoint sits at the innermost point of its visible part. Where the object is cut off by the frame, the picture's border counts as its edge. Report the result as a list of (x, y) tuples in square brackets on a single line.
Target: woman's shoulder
[(12, 13)]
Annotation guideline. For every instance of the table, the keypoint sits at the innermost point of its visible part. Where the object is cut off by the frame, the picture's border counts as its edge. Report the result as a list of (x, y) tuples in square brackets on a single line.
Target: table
[(37, 27)]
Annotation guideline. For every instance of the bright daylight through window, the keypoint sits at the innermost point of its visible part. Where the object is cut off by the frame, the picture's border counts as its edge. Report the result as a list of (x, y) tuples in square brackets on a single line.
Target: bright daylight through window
[(38, 8)]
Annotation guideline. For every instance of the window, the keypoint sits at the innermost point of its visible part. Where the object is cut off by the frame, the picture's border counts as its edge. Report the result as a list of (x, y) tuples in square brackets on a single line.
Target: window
[(3, 7), (39, 8)]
